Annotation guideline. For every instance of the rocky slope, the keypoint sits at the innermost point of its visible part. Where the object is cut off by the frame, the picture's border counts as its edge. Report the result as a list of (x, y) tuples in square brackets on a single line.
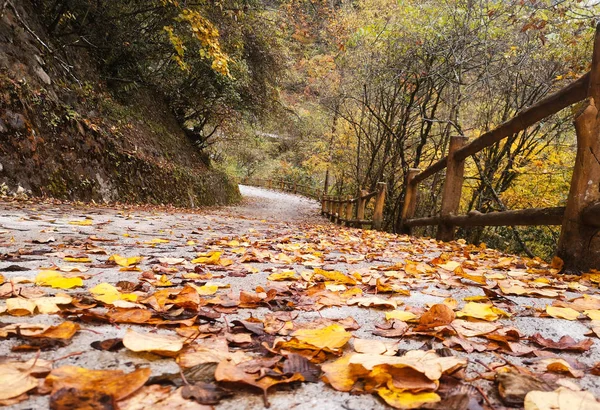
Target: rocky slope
[(64, 134)]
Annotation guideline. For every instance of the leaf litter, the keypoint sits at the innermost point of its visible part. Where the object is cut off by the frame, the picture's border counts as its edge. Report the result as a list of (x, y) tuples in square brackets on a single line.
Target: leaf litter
[(236, 306)]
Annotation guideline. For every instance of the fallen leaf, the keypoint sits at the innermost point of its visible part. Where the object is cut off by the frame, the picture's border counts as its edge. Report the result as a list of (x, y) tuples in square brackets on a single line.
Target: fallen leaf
[(109, 294), (437, 315), (164, 345), (400, 315), (562, 313), (513, 387), (17, 378), (125, 262), (56, 279), (286, 275), (338, 277), (114, 383), (484, 311), (561, 399), (331, 338), (407, 400), (228, 372), (84, 222), (373, 301), (64, 331), (564, 343), (204, 393), (20, 306), (375, 347)]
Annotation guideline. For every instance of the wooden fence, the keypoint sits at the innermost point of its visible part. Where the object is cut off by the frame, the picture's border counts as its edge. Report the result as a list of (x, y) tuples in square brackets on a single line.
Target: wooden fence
[(351, 211), (347, 211), (579, 243)]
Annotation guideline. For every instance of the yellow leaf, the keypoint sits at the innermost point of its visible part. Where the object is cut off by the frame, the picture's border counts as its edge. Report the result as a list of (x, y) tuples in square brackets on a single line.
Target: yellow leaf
[(592, 314), (191, 243), (205, 290), (475, 278), (56, 280), (338, 277), (562, 313), (125, 262), (484, 311), (77, 260), (85, 222), (163, 281), (225, 262), (478, 298), (107, 293), (400, 315), (406, 400), (286, 275), (154, 241), (210, 258), (1, 279), (332, 337)]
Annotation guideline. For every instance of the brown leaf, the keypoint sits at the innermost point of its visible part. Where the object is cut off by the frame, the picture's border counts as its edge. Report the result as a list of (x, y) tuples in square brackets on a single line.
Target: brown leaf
[(395, 328), (228, 372), (204, 393), (69, 398), (564, 343), (158, 397), (64, 331), (295, 363), (114, 383), (513, 387), (438, 315), (138, 316), (111, 345)]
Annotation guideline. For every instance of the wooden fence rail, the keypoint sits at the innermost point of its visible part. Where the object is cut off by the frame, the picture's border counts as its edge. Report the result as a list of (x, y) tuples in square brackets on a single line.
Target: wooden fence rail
[(351, 211), (579, 244)]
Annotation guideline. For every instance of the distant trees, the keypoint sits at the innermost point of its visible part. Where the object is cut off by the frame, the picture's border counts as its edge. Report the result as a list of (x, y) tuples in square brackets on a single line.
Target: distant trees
[(413, 73)]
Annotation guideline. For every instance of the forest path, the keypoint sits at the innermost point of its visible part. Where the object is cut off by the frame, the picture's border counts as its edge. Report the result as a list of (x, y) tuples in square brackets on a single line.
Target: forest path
[(248, 249)]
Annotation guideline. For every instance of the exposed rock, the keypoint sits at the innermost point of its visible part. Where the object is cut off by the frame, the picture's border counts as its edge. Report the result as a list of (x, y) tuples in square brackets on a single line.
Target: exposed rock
[(15, 121), (43, 76)]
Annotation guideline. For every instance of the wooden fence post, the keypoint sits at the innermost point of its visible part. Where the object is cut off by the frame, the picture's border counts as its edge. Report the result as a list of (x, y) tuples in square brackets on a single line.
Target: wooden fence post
[(452, 187), (579, 243), (323, 205), (349, 211), (410, 200), (379, 204), (295, 187), (333, 210), (270, 184), (360, 207)]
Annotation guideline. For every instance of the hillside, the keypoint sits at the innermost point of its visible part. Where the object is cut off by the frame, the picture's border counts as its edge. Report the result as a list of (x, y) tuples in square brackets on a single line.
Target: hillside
[(66, 133)]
